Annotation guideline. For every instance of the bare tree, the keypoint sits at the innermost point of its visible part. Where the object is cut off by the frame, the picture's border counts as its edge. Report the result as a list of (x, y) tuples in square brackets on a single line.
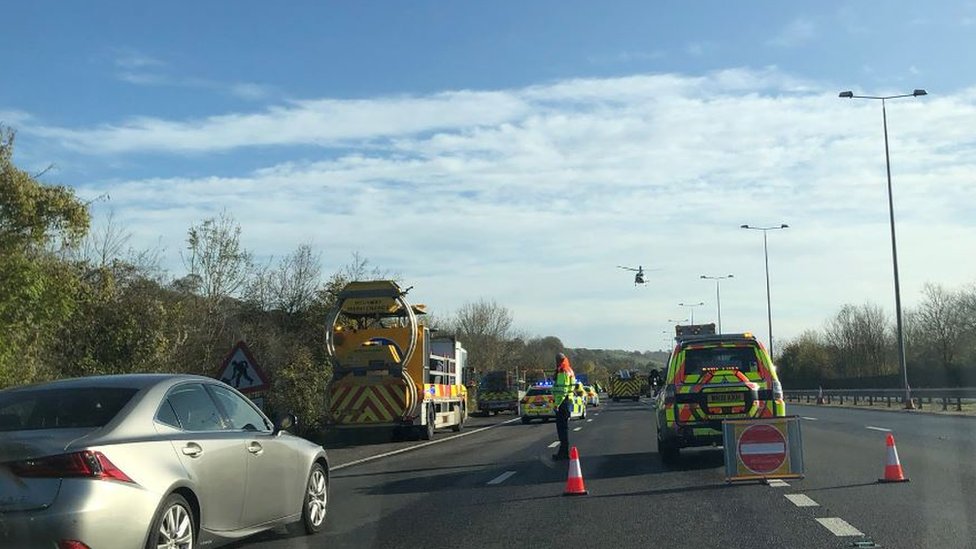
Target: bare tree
[(485, 328), (941, 323), (861, 337), (297, 279), (106, 244)]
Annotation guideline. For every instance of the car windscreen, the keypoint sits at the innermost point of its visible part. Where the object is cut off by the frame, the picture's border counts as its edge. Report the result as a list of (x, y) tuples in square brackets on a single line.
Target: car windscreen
[(742, 358), (74, 408), (537, 392)]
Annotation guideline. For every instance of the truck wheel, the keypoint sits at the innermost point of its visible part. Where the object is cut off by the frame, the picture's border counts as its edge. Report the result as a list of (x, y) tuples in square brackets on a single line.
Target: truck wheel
[(427, 431), (525, 420), (460, 425)]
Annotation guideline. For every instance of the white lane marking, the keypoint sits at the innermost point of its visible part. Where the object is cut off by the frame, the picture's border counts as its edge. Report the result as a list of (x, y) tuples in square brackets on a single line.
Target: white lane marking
[(596, 414), (501, 478), (762, 448), (777, 483), (554, 444), (839, 527), (578, 429), (418, 446), (809, 418), (589, 420), (802, 500), (873, 428)]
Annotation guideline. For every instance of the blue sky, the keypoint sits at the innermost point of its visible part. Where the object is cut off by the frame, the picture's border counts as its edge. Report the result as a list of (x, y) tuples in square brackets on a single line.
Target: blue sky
[(528, 146)]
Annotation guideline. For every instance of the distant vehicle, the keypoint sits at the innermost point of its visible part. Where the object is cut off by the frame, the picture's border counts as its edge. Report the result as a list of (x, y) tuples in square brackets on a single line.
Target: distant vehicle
[(711, 378), (592, 397), (539, 403), (149, 461), (498, 391), (625, 384), (389, 372)]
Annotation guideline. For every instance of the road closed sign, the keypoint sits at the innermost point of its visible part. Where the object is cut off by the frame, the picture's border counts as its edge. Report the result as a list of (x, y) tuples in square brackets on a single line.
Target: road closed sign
[(758, 449)]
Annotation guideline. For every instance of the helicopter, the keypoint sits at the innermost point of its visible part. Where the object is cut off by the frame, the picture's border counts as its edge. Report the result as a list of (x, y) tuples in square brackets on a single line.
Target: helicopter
[(639, 276)]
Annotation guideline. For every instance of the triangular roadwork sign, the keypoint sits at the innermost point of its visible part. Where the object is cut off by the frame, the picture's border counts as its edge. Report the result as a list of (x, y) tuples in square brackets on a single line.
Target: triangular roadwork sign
[(241, 371)]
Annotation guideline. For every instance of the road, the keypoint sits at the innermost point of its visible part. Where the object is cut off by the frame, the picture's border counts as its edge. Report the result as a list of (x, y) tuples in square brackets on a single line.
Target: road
[(498, 488)]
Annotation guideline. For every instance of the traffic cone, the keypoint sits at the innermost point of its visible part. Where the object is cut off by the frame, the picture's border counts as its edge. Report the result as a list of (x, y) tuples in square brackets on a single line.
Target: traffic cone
[(574, 484), (892, 472)]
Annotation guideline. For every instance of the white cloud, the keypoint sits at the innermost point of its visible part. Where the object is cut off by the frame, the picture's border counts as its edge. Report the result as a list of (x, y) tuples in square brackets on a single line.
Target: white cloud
[(131, 59), (797, 32), (533, 195)]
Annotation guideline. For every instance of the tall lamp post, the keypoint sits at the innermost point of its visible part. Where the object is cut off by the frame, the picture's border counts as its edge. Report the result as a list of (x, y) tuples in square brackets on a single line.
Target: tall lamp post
[(718, 295), (769, 309), (891, 217), (692, 307)]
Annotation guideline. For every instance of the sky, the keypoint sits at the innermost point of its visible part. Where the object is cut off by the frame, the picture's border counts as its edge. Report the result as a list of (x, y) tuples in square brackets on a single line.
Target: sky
[(521, 151)]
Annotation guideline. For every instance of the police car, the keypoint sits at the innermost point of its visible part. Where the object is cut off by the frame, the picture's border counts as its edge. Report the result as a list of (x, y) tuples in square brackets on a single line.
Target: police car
[(539, 403), (711, 378)]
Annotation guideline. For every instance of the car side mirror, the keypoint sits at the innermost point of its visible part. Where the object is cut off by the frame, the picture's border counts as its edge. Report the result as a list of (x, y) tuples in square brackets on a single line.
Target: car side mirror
[(285, 422)]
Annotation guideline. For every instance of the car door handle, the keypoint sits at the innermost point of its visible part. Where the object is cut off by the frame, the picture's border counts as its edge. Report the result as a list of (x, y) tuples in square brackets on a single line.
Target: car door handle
[(193, 450), (255, 448)]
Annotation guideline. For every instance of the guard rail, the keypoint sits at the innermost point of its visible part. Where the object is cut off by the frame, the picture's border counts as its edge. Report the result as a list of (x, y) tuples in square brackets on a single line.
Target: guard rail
[(954, 396)]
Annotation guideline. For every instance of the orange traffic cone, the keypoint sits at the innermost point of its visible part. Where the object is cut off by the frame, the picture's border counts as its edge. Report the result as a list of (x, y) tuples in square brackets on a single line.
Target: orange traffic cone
[(893, 472), (574, 484)]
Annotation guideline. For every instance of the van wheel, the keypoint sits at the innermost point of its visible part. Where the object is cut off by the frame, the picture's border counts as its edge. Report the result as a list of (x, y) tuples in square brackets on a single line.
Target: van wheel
[(173, 525)]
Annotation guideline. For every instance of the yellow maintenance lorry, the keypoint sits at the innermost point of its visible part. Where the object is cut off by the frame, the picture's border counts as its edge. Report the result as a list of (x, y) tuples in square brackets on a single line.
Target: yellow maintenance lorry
[(388, 371)]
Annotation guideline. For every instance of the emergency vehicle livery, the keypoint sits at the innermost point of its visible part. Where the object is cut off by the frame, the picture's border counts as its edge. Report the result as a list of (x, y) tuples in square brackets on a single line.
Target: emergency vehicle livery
[(539, 403), (712, 378), (626, 384), (389, 372), (498, 392)]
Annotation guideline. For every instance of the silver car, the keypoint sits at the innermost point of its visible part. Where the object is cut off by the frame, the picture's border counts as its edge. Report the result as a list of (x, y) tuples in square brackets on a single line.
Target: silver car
[(158, 461)]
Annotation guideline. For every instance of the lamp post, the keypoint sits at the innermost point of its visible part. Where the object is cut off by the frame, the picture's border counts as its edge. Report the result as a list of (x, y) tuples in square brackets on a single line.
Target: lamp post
[(769, 309), (692, 307), (718, 295), (891, 217)]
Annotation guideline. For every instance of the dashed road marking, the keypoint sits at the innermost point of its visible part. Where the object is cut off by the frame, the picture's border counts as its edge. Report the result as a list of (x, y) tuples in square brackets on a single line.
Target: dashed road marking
[(809, 418), (501, 478), (802, 500), (777, 483), (839, 527), (873, 428), (589, 420), (578, 429), (554, 444)]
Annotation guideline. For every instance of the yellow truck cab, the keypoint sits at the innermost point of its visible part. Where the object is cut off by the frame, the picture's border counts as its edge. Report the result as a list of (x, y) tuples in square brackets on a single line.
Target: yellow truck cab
[(710, 378), (539, 403)]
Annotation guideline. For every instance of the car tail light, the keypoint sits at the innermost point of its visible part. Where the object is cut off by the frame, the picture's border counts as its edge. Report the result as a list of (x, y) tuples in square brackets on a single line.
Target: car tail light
[(71, 544), (777, 390), (669, 393), (85, 464)]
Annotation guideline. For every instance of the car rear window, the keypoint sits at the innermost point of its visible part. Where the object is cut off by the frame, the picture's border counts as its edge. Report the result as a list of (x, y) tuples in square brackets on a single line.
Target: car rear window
[(742, 358), (38, 409), (536, 392)]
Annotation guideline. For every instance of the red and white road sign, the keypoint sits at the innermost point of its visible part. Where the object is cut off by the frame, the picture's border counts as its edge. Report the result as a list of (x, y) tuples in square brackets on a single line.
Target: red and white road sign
[(762, 449), (241, 371)]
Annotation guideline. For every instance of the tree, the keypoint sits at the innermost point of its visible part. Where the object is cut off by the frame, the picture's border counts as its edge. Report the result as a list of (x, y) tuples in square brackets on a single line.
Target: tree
[(36, 287), (216, 257), (861, 341), (484, 328)]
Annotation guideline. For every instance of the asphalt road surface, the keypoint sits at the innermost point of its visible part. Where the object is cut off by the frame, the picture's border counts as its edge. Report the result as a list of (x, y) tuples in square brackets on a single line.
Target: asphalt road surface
[(499, 488)]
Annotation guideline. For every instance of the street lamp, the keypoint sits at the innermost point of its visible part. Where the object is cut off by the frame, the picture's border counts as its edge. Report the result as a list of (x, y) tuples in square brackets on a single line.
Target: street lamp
[(769, 310), (692, 307), (718, 295), (891, 216)]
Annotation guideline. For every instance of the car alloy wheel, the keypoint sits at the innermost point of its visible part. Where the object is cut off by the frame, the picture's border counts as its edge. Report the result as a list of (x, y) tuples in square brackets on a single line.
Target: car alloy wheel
[(175, 527), (316, 499)]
